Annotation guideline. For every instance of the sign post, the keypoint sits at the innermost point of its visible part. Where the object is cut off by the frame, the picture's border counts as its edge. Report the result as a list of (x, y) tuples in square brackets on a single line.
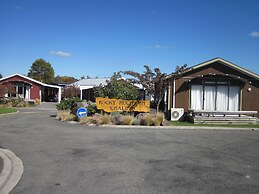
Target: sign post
[(81, 112)]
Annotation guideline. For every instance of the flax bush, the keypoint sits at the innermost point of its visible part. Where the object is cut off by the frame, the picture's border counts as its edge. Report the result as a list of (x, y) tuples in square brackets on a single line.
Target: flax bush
[(84, 120), (105, 119), (37, 101), (158, 119), (97, 119), (127, 119), (147, 119), (136, 121), (65, 116)]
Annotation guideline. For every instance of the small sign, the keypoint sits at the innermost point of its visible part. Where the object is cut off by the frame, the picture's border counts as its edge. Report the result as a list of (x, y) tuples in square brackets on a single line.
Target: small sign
[(81, 112)]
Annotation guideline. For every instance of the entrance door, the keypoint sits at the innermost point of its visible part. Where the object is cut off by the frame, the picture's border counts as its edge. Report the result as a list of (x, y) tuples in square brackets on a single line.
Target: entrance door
[(23, 91)]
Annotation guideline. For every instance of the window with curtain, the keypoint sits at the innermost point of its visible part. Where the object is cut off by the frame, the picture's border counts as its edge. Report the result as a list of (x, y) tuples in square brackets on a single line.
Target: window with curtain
[(234, 98), (222, 98), (197, 97), (209, 97), (215, 97)]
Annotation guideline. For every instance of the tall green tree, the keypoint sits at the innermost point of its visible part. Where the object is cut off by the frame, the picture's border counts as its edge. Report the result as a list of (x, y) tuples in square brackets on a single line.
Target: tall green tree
[(41, 71), (117, 88)]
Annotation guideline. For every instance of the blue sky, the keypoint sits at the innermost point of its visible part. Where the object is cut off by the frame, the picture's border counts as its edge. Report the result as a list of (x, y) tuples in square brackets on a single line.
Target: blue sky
[(99, 37)]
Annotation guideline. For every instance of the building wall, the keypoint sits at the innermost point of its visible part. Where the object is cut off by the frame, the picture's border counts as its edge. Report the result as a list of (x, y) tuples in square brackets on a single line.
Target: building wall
[(34, 89), (249, 99)]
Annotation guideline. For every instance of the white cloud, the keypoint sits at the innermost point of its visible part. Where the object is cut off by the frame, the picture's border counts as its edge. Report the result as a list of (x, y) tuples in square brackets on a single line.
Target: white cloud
[(158, 46), (60, 53), (254, 34)]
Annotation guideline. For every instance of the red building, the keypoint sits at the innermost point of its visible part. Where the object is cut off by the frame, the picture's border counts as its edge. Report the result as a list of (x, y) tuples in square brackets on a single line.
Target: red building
[(29, 89)]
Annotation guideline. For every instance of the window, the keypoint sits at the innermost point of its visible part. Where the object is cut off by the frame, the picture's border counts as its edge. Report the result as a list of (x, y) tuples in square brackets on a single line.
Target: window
[(22, 91), (220, 97)]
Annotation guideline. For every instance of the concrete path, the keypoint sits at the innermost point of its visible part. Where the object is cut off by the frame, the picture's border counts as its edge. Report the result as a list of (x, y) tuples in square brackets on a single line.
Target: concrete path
[(1, 165), (11, 170)]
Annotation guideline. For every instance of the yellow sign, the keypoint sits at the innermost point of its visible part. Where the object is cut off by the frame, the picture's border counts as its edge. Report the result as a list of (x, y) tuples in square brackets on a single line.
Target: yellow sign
[(113, 105)]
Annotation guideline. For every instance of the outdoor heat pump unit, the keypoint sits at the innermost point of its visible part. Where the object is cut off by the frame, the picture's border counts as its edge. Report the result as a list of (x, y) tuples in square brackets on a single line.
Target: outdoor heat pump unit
[(176, 113)]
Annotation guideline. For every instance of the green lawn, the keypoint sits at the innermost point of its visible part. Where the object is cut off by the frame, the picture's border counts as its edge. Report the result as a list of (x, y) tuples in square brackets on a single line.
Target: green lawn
[(4, 110), (178, 123)]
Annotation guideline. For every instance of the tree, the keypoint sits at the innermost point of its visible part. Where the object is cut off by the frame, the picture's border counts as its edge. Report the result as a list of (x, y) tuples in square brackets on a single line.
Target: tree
[(87, 77), (41, 71), (148, 79), (117, 88), (71, 91), (180, 69), (64, 79), (7, 89), (1, 76)]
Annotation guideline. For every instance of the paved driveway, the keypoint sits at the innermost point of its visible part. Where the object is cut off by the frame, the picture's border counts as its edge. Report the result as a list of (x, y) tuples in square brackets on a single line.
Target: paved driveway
[(64, 158)]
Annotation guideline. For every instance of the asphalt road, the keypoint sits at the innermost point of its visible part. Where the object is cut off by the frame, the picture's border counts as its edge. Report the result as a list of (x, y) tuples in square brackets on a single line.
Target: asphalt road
[(64, 158)]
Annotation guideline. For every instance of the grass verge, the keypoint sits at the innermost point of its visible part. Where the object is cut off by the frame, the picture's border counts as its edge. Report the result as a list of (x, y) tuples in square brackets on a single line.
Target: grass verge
[(178, 123), (4, 110)]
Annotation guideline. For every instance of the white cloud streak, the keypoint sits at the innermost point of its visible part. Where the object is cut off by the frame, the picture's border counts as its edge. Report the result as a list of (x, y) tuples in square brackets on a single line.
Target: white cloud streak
[(60, 53), (158, 46), (254, 34)]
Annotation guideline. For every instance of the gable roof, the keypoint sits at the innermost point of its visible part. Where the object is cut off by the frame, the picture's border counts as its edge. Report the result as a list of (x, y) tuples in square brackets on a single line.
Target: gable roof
[(28, 78), (227, 63), (224, 62)]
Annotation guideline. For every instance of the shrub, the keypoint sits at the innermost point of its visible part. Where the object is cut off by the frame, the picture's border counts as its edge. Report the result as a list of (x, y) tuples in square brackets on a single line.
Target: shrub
[(136, 121), (68, 104), (65, 116), (127, 119), (91, 109), (84, 120), (37, 101), (147, 119), (157, 119), (15, 102), (71, 91), (75, 107), (105, 119), (96, 119)]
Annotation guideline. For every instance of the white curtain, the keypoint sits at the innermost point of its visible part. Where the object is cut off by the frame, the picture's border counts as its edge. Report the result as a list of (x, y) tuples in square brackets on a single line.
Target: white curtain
[(222, 98), (234, 92), (209, 97), (27, 90), (196, 97)]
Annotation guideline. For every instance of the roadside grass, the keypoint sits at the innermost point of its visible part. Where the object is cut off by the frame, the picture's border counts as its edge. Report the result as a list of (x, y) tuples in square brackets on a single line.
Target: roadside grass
[(178, 123), (4, 110)]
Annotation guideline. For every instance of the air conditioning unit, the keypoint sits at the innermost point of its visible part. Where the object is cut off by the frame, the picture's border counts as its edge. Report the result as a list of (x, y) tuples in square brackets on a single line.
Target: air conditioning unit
[(176, 113)]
